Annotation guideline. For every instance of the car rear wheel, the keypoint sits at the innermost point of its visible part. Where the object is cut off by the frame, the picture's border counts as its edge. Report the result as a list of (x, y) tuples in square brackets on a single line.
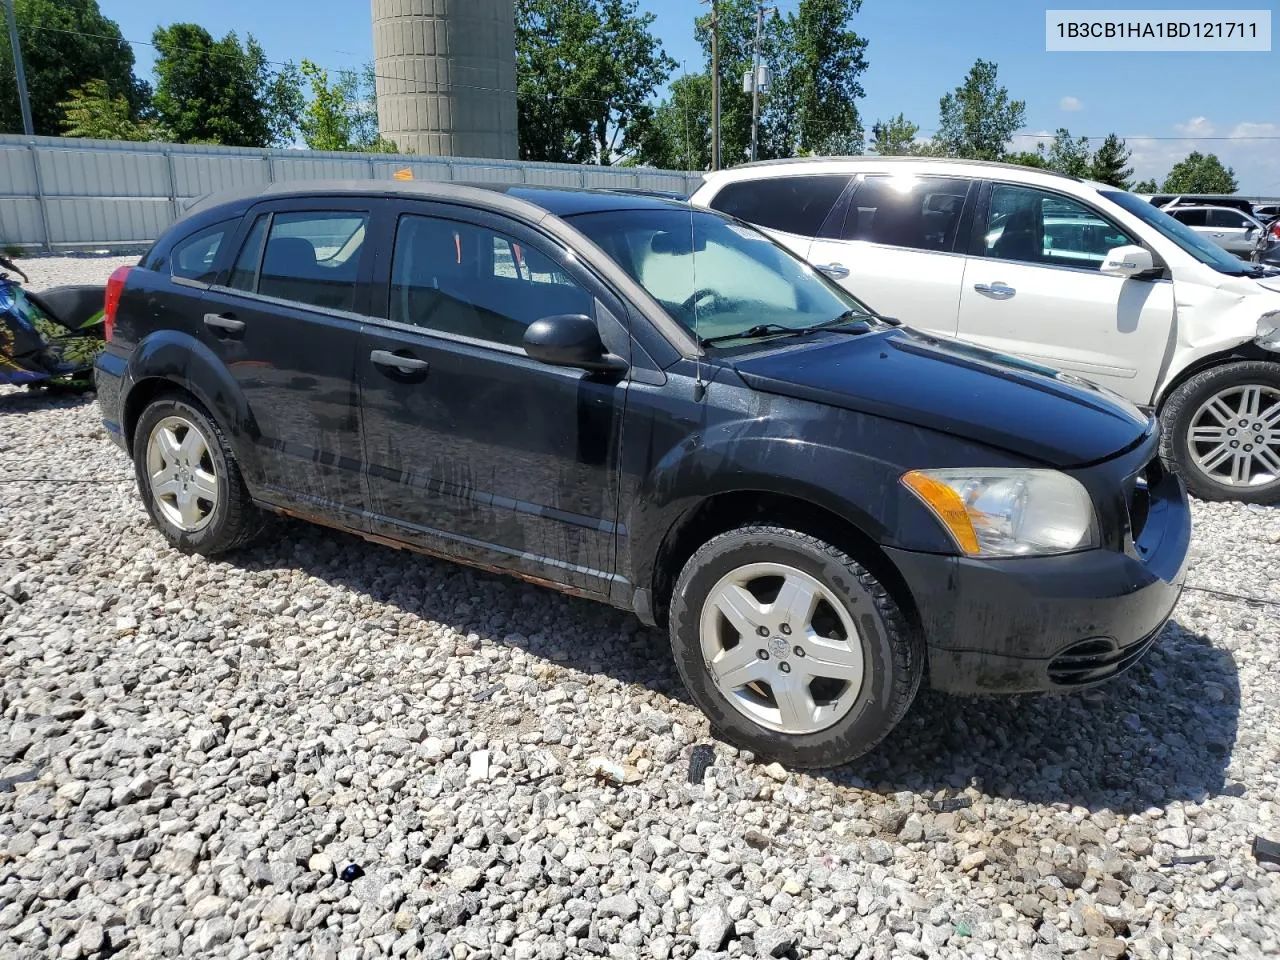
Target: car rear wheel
[(1221, 432), (791, 647), (189, 480)]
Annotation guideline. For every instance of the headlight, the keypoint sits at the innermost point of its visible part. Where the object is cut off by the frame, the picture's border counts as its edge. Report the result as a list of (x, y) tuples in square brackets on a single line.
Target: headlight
[(1269, 331), (1008, 513)]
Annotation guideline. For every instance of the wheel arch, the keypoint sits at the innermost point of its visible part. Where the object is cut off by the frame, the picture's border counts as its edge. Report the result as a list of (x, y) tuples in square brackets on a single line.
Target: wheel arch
[(721, 512), (1240, 353)]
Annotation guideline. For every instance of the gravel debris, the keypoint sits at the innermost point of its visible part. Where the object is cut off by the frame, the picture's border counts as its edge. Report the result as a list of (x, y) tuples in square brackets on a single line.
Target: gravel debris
[(195, 754)]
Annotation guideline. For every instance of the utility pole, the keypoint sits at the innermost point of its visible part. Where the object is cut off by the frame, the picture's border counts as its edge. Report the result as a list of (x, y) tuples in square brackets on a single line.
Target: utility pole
[(715, 83), (755, 82), (21, 73)]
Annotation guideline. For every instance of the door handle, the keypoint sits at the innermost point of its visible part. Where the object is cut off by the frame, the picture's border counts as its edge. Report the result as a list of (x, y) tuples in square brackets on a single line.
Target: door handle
[(999, 290), (224, 322), (406, 365), (836, 271)]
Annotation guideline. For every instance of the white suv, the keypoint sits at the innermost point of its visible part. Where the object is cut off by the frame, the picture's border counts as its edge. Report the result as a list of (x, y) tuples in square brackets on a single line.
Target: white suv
[(1078, 275)]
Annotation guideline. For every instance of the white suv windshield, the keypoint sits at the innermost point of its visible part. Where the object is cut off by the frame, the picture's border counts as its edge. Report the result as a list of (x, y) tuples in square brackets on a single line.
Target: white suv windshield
[(1206, 251), (714, 276)]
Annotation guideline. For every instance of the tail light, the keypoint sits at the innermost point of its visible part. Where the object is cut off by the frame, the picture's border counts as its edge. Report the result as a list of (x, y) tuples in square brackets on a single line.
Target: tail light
[(1275, 228), (115, 287)]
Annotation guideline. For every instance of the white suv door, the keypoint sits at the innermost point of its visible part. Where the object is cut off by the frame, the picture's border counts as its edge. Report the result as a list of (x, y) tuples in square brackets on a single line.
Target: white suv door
[(1032, 287), (898, 245)]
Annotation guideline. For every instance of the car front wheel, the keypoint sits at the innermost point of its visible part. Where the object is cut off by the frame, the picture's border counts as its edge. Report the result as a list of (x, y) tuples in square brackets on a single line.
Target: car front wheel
[(791, 647), (1221, 432)]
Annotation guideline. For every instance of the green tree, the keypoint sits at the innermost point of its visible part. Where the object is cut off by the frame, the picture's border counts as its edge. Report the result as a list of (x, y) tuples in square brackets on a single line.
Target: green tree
[(219, 91), (825, 60), (65, 45), (92, 111), (585, 70), (977, 119), (1200, 173), (1067, 154), (895, 137), (1146, 186), (679, 138), (342, 114), (1028, 158), (1110, 163)]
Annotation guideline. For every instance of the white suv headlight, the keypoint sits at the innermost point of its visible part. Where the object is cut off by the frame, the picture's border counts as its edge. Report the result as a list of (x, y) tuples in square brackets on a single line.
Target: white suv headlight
[(1008, 513), (1269, 331)]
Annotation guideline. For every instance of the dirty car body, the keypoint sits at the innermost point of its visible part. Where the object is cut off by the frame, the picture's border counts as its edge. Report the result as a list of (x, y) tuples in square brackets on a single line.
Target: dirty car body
[(477, 435)]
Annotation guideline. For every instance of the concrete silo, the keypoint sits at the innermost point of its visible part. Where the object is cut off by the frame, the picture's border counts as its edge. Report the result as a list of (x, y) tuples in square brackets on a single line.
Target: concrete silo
[(446, 76)]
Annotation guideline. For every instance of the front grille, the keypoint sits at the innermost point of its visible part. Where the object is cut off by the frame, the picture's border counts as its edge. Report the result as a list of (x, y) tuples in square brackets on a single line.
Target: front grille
[(1099, 658)]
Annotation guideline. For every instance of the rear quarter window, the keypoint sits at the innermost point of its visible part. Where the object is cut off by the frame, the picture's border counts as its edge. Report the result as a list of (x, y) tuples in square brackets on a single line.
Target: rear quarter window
[(195, 257), (796, 205)]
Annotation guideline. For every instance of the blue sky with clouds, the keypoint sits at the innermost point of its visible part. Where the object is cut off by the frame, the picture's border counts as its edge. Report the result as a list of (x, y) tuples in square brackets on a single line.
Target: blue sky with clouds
[(918, 50)]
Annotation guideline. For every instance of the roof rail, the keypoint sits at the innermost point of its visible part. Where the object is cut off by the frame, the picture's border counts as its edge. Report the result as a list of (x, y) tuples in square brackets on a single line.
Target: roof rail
[(999, 164)]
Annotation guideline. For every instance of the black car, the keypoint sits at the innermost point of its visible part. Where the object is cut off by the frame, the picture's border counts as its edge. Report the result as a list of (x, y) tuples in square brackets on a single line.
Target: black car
[(658, 407)]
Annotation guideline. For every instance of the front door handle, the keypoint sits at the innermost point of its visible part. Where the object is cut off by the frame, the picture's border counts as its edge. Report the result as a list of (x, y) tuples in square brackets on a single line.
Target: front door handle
[(405, 365), (836, 271), (999, 290), (224, 322)]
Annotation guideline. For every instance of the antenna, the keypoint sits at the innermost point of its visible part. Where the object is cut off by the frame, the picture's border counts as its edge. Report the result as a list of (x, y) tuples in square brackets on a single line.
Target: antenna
[(699, 387)]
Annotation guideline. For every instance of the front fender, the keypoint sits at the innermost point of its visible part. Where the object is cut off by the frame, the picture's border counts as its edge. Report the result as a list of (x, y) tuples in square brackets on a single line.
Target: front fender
[(180, 359), (764, 456)]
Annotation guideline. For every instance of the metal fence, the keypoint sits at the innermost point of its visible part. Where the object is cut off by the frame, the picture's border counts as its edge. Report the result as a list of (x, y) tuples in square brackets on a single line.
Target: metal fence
[(62, 193)]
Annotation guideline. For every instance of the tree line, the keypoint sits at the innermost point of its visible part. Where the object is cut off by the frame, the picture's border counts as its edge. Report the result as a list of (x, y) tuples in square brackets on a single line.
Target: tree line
[(588, 74)]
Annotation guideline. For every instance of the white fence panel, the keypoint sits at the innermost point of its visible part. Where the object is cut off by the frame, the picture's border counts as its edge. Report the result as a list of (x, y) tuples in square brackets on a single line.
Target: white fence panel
[(194, 176), (18, 172), (106, 173)]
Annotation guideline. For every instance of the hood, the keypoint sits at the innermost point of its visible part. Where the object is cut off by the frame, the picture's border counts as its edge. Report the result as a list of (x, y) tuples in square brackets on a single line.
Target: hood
[(955, 388), (1271, 283)]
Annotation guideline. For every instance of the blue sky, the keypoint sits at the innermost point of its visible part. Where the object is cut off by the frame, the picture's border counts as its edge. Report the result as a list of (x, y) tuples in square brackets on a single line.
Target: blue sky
[(918, 50)]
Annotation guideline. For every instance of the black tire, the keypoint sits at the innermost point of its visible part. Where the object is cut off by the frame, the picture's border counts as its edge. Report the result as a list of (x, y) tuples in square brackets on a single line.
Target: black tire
[(892, 649), (1176, 419), (235, 520)]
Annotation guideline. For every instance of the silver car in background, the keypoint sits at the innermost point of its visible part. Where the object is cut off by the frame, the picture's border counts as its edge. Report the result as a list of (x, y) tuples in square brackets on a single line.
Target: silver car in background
[(1233, 230)]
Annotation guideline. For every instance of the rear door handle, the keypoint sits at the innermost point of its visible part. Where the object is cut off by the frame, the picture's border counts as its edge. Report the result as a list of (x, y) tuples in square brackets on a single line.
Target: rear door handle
[(836, 271), (224, 322), (999, 290), (406, 365)]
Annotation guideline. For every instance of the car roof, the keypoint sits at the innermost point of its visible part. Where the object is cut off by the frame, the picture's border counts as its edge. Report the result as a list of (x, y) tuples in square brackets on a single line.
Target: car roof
[(795, 166), (560, 201)]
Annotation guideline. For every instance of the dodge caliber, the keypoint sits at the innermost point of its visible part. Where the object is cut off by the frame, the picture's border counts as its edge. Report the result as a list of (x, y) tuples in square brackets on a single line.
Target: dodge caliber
[(658, 407)]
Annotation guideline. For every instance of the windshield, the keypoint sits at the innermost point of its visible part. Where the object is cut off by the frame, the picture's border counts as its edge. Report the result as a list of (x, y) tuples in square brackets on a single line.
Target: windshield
[(1204, 250), (714, 276)]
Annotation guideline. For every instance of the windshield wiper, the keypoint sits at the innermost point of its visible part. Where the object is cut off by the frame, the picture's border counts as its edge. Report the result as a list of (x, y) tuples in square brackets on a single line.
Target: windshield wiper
[(856, 319)]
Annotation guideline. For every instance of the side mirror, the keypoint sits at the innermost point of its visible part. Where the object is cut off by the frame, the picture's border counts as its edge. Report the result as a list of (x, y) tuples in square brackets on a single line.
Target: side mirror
[(1129, 262), (570, 340)]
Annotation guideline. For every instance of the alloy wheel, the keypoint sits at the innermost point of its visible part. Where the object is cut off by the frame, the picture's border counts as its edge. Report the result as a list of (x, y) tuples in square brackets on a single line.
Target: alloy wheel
[(183, 481), (781, 648), (1234, 437)]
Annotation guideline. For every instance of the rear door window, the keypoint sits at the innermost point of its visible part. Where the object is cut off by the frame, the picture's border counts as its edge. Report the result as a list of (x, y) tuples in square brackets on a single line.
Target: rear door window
[(310, 257), (919, 213), (1192, 218), (796, 205)]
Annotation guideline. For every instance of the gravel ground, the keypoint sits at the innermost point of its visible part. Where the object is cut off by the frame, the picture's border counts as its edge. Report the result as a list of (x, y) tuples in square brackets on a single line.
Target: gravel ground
[(192, 753)]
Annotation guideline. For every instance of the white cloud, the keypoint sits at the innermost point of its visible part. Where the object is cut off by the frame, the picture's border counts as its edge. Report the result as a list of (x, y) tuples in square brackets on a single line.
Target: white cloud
[(1196, 127), (1070, 104), (1252, 160)]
